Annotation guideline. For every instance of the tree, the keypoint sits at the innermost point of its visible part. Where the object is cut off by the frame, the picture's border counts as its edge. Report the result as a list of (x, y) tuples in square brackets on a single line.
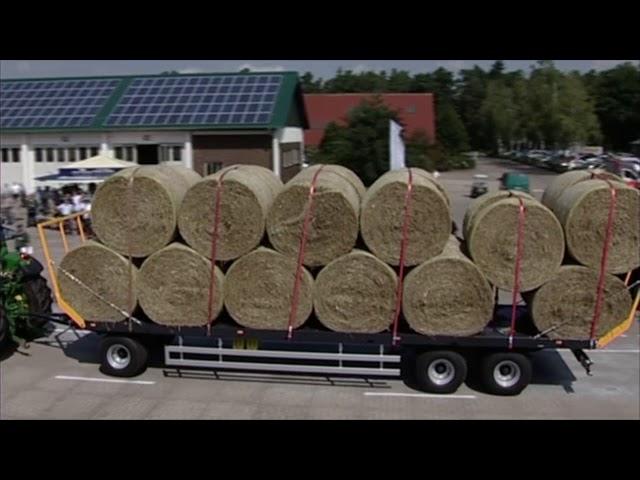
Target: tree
[(363, 143), (617, 105), (497, 70), (500, 115), (399, 81), (470, 94), (451, 132), (309, 84)]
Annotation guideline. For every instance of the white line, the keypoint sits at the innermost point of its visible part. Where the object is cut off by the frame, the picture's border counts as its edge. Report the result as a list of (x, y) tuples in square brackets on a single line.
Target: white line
[(416, 395), (627, 350), (106, 380)]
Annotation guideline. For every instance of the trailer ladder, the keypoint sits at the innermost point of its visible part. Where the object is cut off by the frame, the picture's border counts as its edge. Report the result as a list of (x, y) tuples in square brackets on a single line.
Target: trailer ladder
[(380, 364)]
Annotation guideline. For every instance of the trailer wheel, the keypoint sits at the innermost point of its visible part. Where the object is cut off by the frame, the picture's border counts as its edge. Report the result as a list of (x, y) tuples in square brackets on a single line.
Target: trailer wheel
[(122, 357), (505, 373), (440, 371), (4, 330)]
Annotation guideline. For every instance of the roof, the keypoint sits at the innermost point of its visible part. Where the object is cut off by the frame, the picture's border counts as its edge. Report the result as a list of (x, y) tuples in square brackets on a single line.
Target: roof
[(416, 111), (205, 101), (94, 169), (100, 161)]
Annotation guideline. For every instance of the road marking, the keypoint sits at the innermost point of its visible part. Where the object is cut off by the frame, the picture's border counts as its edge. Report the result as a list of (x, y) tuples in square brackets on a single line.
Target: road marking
[(105, 380), (626, 350), (415, 395)]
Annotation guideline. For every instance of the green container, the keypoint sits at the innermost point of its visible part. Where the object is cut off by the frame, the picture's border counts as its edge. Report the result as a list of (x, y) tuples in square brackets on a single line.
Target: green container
[(515, 181)]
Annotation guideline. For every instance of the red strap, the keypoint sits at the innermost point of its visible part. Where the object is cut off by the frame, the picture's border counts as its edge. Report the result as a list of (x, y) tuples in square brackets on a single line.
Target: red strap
[(603, 261), (214, 249), (403, 254), (130, 302), (516, 280), (301, 250)]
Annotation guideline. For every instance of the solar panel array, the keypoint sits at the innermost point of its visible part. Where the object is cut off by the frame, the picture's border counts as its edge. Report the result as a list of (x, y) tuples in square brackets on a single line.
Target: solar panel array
[(53, 103), (201, 100)]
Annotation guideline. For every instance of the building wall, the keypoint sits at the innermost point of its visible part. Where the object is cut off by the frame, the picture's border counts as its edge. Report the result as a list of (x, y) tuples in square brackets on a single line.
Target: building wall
[(280, 152), (105, 143), (219, 151)]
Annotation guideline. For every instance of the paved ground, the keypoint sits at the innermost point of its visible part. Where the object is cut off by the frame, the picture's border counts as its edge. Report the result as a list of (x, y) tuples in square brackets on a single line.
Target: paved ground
[(58, 378)]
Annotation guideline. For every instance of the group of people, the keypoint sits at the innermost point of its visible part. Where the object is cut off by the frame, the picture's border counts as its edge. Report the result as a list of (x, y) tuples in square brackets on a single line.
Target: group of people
[(19, 208)]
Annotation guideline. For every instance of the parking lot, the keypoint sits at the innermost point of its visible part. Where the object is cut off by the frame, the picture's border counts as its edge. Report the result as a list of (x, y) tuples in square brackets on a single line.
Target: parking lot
[(58, 376)]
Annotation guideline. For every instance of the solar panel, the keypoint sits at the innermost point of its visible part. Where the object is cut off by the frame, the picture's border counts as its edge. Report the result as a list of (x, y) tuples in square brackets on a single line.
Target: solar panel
[(202, 100), (53, 103)]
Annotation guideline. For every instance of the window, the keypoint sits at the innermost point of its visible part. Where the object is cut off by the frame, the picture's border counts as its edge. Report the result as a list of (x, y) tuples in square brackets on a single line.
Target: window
[(212, 167), (170, 153), (128, 153), (94, 151), (39, 155), (290, 155), (177, 154), (72, 155), (50, 154), (62, 154), (411, 109), (10, 155)]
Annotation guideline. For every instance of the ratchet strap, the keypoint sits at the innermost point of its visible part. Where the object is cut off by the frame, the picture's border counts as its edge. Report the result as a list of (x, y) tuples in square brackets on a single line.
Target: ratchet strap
[(295, 298)]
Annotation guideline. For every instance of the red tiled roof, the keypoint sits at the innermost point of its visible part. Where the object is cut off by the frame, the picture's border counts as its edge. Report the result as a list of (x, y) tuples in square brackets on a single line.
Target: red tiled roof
[(416, 111)]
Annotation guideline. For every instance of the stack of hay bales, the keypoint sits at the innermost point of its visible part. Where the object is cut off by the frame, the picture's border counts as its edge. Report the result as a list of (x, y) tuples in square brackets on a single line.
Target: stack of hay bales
[(134, 214), (565, 305), (163, 218)]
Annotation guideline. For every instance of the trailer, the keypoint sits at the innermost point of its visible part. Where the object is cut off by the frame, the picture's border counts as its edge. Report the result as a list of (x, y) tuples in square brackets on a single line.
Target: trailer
[(498, 357)]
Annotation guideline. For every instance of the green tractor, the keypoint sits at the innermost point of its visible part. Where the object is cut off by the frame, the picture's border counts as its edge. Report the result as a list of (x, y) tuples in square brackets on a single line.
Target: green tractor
[(25, 296)]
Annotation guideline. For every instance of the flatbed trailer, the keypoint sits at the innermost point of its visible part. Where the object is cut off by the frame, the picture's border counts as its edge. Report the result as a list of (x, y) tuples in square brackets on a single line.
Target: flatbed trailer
[(436, 364)]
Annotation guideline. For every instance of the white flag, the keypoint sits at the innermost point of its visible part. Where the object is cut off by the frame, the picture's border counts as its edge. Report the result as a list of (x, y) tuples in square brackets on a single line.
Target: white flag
[(396, 146)]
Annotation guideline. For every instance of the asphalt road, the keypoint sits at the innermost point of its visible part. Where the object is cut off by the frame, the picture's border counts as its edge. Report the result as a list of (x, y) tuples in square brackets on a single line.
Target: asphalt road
[(58, 376)]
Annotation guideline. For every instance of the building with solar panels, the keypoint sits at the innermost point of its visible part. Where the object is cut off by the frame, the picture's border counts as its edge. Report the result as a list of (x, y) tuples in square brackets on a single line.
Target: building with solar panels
[(202, 121)]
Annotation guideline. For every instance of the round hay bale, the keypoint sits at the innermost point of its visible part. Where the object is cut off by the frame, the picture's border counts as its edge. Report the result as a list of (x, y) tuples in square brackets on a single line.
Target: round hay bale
[(355, 293), (583, 211), (568, 302), (560, 183), (247, 194), (477, 204), (144, 218), (382, 217), (344, 172), (259, 290), (106, 273), (333, 230), (173, 287), (490, 231), (447, 295)]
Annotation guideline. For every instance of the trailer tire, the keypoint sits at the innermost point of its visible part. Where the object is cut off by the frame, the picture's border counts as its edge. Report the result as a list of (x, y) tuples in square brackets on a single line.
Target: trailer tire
[(39, 299), (4, 330), (122, 356), (440, 371), (505, 373)]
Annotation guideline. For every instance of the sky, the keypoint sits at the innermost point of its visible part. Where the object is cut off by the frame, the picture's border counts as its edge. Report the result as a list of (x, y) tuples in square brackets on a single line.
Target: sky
[(320, 68)]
